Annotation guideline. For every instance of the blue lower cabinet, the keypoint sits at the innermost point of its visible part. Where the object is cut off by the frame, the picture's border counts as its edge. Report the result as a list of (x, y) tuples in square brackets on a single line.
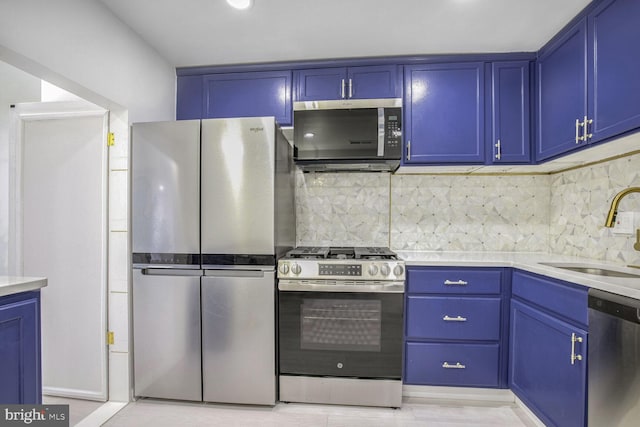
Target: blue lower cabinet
[(469, 365), (454, 318), (20, 381), (548, 348), (456, 326)]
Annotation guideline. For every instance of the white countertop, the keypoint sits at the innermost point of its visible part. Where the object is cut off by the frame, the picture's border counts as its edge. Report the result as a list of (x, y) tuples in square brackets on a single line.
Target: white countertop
[(10, 285), (529, 261)]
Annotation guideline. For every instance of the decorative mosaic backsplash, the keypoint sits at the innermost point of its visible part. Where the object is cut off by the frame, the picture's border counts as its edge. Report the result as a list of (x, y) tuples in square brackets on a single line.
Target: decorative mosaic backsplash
[(342, 209), (580, 200), (424, 212), (561, 213), (470, 213)]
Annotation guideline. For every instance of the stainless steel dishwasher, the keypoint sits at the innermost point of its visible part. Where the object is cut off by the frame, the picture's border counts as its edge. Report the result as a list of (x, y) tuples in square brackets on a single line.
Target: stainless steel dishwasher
[(614, 360)]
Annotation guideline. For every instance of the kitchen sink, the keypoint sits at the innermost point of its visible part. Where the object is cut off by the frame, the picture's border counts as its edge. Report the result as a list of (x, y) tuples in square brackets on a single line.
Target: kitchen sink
[(588, 269)]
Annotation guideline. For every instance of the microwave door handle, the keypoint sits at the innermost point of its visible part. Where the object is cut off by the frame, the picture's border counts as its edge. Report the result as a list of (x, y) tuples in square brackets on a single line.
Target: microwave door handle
[(381, 126)]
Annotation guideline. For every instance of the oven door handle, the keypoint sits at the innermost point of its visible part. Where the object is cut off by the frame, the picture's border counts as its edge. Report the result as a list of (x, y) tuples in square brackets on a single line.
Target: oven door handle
[(319, 286)]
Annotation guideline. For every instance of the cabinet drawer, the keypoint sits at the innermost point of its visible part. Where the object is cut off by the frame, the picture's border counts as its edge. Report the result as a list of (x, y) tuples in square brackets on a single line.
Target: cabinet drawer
[(454, 281), (452, 364), (567, 299), (453, 318)]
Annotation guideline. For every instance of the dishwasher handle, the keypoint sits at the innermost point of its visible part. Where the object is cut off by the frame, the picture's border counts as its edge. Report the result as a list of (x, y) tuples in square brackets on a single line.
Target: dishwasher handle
[(619, 306)]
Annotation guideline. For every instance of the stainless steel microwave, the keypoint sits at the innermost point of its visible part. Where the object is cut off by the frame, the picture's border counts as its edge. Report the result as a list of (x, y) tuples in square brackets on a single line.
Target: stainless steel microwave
[(348, 135)]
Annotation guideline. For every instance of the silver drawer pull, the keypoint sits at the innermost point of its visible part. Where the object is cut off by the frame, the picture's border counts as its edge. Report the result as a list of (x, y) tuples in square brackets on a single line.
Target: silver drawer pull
[(454, 319), (456, 282), (458, 365)]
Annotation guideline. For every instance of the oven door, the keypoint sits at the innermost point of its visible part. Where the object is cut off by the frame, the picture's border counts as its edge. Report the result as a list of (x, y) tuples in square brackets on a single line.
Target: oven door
[(341, 334)]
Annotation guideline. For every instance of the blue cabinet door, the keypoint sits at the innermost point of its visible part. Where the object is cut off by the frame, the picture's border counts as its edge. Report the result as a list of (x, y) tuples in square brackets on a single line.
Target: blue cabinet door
[(452, 364), (540, 368), (453, 318), (189, 97), (366, 82), (372, 82), (614, 73), (321, 84), (510, 130), (253, 94), (444, 113), (20, 349), (562, 93)]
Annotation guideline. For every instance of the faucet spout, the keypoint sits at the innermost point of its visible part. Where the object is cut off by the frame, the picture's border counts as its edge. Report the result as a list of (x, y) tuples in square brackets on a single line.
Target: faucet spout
[(613, 210)]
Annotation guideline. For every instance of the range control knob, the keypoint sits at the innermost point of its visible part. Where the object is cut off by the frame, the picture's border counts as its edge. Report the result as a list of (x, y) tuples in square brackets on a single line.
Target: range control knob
[(398, 270), (385, 269), (295, 268), (284, 268), (373, 269)]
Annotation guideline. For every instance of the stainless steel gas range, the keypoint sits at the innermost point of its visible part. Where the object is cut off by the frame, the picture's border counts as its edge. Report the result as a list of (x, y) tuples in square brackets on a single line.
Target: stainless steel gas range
[(341, 315)]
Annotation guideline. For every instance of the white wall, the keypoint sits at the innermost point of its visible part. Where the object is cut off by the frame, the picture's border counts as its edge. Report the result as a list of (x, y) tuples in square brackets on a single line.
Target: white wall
[(80, 46), (15, 86)]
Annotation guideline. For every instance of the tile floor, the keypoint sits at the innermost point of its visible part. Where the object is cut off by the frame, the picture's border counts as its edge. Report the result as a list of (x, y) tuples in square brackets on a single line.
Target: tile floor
[(78, 408), (157, 413)]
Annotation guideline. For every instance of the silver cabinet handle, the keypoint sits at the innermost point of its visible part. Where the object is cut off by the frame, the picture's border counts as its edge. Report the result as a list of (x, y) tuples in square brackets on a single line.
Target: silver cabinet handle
[(409, 150), (455, 282), (446, 318), (351, 88), (574, 356), (578, 137), (458, 365), (498, 150), (342, 91), (585, 126)]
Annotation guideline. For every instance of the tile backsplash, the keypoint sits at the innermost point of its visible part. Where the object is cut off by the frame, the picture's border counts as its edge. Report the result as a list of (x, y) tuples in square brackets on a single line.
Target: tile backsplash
[(424, 212), (342, 209), (470, 212), (560, 213), (580, 200)]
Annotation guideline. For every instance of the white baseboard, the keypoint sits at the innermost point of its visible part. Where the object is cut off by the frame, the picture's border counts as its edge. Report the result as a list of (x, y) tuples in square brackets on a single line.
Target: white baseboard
[(74, 394), (458, 393), (102, 414)]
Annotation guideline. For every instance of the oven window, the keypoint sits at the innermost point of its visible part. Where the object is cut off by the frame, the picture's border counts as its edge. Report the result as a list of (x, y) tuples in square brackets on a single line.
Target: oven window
[(341, 334), (340, 324)]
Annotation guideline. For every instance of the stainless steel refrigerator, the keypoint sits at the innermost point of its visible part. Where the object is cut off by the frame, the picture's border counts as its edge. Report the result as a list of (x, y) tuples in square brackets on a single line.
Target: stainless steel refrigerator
[(204, 306)]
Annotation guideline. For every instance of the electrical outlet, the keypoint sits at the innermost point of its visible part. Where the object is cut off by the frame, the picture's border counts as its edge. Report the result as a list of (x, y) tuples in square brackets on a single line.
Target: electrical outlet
[(624, 223)]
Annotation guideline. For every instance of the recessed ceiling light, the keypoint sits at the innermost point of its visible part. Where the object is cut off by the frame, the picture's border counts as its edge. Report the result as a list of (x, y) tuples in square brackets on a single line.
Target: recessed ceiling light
[(240, 4)]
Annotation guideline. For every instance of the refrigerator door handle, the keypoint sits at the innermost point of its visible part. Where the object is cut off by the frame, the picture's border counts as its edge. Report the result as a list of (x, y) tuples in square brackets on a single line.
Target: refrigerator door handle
[(170, 272), (237, 273)]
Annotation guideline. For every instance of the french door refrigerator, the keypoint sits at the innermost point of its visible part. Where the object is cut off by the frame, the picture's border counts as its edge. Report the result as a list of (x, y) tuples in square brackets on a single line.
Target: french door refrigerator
[(245, 221)]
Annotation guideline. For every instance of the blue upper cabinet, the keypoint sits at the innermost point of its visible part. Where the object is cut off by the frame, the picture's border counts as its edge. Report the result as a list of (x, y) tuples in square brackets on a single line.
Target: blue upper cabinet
[(189, 97), (614, 68), (365, 82), (589, 80), (251, 94), (20, 349), (510, 127), (562, 93), (444, 113)]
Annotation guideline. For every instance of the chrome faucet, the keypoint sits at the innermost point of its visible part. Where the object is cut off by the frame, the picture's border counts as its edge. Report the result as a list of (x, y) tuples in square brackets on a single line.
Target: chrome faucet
[(613, 210)]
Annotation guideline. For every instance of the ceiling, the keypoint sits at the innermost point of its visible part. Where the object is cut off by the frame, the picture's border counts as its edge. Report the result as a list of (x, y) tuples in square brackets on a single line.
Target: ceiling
[(209, 32)]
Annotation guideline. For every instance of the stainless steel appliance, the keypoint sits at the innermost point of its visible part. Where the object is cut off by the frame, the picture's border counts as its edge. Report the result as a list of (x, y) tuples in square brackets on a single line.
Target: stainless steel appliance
[(166, 259), (340, 326), (204, 316), (348, 135), (614, 360)]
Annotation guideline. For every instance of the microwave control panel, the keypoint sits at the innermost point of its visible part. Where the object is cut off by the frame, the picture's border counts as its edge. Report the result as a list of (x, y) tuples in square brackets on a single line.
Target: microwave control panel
[(393, 132)]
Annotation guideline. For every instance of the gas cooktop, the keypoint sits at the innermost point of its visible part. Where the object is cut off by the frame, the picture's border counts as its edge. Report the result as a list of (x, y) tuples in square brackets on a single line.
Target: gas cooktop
[(323, 252)]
